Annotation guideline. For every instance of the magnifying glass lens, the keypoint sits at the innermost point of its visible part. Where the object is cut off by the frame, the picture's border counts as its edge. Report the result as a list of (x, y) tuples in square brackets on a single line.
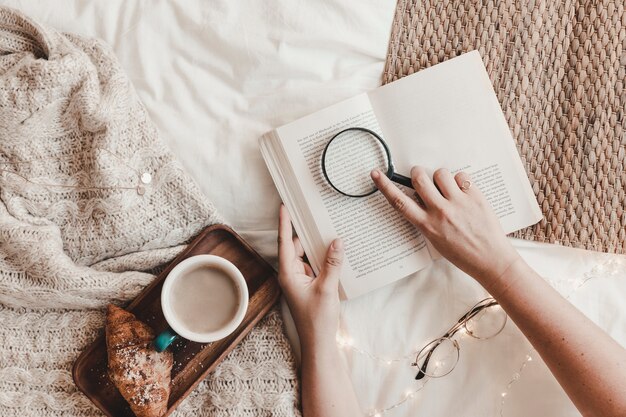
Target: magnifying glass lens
[(349, 159)]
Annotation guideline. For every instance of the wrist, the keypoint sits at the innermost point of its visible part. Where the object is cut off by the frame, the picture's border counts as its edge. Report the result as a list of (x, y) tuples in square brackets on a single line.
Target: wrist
[(318, 342), (316, 331), (498, 285), (499, 262), (319, 350)]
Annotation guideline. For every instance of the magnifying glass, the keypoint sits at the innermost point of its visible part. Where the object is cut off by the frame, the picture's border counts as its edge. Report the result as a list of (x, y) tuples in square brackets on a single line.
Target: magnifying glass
[(351, 155)]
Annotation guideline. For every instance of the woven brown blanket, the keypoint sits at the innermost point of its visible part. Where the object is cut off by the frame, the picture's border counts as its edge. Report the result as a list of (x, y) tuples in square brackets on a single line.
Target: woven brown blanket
[(559, 70)]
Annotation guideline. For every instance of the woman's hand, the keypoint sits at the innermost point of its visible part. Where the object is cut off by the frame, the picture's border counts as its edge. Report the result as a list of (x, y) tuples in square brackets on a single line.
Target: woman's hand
[(459, 223), (313, 301), (314, 304)]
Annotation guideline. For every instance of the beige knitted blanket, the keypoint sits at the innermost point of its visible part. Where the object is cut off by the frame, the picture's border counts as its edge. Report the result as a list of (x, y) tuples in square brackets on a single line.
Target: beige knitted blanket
[(90, 203)]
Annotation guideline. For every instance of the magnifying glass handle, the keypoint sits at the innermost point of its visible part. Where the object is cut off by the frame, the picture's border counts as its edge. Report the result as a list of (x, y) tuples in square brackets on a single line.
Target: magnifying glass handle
[(406, 181), (401, 179)]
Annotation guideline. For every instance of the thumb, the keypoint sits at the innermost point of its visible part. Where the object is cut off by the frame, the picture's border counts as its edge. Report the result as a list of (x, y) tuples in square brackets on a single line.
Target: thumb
[(332, 266)]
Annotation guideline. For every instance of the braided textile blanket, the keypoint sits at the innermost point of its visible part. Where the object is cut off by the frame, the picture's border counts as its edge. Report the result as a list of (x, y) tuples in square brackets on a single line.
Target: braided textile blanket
[(91, 202), (559, 71)]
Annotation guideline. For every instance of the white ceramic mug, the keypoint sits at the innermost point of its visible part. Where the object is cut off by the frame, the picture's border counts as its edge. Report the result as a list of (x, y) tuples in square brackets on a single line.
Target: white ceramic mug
[(165, 338)]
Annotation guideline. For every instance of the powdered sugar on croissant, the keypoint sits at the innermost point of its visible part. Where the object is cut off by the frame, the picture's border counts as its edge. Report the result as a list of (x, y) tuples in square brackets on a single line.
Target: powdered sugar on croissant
[(140, 373)]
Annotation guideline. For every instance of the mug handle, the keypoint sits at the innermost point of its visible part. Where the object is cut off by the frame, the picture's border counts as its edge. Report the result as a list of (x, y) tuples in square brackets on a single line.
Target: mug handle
[(164, 339)]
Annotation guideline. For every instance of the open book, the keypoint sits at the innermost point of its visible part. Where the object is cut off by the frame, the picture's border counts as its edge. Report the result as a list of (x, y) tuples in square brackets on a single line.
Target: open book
[(444, 116)]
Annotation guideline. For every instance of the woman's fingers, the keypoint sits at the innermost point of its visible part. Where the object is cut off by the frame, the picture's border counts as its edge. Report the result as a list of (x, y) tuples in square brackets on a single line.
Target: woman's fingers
[(400, 201), (286, 250), (297, 246), (332, 266), (290, 248), (446, 184), (308, 270), (425, 188), (465, 184)]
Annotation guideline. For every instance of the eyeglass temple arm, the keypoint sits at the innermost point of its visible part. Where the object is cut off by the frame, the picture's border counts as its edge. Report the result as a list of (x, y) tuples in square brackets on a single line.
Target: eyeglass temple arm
[(422, 372)]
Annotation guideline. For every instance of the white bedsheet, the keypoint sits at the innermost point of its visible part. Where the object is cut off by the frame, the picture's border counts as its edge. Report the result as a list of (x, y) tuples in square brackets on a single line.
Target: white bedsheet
[(216, 75)]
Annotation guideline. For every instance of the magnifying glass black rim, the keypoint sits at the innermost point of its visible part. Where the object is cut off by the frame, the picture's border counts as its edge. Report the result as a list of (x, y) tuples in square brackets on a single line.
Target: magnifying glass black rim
[(382, 142)]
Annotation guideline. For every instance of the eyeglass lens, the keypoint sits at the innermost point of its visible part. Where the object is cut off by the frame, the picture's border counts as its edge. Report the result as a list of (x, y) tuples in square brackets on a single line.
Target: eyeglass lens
[(438, 358)]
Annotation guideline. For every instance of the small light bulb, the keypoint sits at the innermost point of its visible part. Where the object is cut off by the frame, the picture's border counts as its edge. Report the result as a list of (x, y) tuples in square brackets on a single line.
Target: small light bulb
[(503, 394), (388, 362), (529, 358)]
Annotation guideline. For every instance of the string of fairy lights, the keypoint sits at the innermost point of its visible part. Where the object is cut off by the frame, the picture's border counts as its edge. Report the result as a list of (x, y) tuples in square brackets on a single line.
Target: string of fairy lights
[(607, 268), (347, 343)]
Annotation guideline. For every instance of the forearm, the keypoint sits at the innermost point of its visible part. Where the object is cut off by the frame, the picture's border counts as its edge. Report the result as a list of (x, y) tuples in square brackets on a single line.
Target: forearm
[(326, 387), (588, 363)]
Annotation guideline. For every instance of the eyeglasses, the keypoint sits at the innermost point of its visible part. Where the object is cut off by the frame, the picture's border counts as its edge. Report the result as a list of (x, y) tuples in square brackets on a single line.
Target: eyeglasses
[(438, 358)]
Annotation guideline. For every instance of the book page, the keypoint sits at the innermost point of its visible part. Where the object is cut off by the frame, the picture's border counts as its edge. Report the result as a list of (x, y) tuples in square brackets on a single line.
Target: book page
[(380, 245), (448, 116)]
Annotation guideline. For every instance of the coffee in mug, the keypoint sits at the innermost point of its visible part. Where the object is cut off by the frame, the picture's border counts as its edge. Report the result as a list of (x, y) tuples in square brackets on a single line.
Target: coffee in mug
[(204, 299)]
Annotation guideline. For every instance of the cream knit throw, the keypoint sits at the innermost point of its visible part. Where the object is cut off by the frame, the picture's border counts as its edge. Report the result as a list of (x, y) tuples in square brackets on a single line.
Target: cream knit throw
[(69, 116)]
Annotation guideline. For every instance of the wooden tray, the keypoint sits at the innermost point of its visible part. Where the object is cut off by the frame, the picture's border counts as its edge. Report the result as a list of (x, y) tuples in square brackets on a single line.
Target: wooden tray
[(192, 361)]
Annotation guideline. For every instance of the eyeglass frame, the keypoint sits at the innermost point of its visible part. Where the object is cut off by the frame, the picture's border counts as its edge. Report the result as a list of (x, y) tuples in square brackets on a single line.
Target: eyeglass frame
[(461, 323)]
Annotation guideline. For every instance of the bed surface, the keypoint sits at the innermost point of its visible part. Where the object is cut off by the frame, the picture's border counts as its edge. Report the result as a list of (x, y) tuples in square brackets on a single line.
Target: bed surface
[(214, 76)]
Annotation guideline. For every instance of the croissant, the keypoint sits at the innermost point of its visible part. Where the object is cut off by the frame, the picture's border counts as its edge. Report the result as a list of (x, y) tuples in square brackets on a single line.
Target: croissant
[(140, 373)]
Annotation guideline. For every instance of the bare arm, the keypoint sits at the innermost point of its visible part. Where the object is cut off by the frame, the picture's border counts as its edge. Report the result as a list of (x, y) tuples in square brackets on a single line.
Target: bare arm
[(326, 387), (588, 363), (314, 303)]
